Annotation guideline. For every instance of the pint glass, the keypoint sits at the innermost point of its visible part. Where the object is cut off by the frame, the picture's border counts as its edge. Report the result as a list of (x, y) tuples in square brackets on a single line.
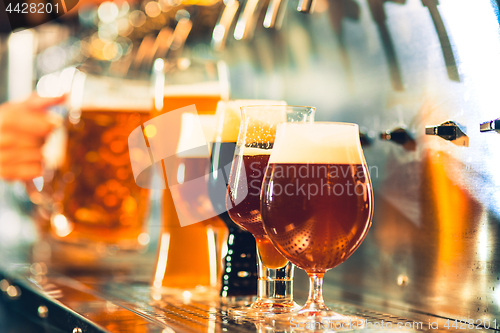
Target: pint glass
[(190, 256)]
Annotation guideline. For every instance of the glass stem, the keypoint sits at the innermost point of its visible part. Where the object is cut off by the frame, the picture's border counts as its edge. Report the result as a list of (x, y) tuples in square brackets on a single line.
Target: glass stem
[(275, 286), (315, 300)]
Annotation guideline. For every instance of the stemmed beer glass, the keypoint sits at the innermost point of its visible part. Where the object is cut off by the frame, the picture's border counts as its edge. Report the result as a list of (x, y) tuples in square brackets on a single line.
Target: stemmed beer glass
[(239, 279), (253, 148), (317, 206)]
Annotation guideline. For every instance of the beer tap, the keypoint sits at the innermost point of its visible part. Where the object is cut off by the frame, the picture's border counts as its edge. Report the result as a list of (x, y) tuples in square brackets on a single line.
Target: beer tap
[(490, 126), (275, 13), (365, 137), (306, 6), (245, 27), (400, 135), (338, 10), (449, 57), (379, 16), (450, 131), (221, 30), (166, 41)]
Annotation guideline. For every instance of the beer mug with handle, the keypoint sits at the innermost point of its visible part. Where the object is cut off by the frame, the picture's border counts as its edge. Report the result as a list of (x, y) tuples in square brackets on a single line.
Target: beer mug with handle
[(89, 206)]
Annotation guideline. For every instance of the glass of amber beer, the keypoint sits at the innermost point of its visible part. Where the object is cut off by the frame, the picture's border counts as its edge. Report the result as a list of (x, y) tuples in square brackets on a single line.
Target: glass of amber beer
[(253, 148), (317, 206), (89, 204), (189, 255)]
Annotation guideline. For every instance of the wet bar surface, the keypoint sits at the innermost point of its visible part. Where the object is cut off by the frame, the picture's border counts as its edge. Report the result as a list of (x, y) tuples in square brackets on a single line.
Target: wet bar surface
[(124, 302)]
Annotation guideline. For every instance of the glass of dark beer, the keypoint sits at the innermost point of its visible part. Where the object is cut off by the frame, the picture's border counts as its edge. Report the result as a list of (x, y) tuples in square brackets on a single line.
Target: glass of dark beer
[(317, 206), (240, 272), (254, 146)]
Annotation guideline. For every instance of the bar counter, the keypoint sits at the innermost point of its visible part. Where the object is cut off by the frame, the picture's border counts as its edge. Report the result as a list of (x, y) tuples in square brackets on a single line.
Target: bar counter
[(123, 301)]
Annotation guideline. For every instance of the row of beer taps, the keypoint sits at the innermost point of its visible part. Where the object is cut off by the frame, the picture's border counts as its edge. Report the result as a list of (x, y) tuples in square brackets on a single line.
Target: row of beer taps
[(247, 20), (244, 14), (163, 32)]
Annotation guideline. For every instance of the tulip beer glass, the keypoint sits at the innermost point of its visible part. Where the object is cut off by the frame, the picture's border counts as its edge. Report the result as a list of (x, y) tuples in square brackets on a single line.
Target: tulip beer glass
[(317, 205), (254, 146)]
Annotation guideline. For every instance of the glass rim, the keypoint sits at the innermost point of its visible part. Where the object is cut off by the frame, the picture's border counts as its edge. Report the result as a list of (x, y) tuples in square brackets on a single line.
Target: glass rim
[(278, 105), (323, 123)]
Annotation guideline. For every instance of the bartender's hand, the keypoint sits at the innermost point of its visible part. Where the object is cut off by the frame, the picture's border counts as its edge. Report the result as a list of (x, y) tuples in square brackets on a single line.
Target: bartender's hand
[(23, 129)]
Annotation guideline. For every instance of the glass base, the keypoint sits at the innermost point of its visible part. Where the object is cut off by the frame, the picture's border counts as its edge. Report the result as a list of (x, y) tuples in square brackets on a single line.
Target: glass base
[(200, 293), (314, 321), (262, 308)]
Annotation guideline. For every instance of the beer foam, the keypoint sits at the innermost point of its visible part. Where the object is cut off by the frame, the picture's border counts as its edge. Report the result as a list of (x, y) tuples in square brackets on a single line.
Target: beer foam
[(229, 116), (252, 151), (112, 94), (197, 89), (208, 123), (317, 143), (197, 132)]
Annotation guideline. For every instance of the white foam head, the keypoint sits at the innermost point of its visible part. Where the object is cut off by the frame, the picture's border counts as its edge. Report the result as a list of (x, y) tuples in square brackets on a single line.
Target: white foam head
[(100, 93), (211, 88), (197, 131), (317, 143), (229, 117)]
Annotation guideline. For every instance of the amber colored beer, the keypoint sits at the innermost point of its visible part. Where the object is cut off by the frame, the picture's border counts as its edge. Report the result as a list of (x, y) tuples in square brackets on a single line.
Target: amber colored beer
[(96, 197), (323, 215), (194, 252), (189, 257), (205, 104), (196, 203), (247, 212)]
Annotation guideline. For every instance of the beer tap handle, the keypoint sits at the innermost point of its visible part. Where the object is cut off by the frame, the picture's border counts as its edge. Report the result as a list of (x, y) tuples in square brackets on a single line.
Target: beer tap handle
[(489, 126), (180, 34), (400, 136), (221, 30), (450, 131), (338, 10), (306, 6), (449, 57), (379, 16), (245, 27), (275, 13)]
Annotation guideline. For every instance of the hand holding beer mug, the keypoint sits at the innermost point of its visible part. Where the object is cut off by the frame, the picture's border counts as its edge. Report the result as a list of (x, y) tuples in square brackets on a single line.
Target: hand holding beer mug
[(317, 206), (89, 204)]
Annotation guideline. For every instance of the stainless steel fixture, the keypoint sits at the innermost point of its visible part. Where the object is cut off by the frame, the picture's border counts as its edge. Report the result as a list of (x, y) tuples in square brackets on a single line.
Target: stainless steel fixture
[(449, 130)]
